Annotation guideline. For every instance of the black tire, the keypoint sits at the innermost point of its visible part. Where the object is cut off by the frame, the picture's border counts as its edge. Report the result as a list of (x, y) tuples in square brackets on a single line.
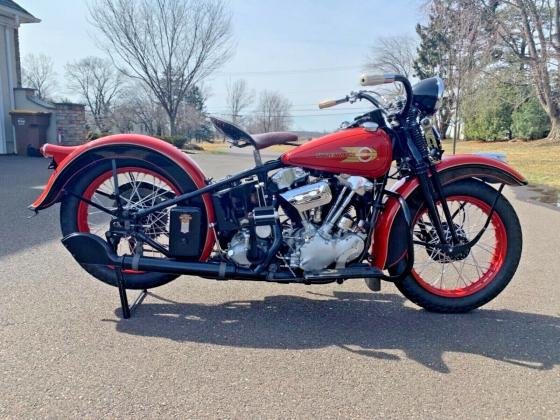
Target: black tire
[(69, 220), (418, 293)]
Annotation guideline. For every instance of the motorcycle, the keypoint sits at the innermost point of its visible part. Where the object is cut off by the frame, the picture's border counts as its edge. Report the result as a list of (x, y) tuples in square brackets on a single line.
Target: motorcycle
[(136, 212)]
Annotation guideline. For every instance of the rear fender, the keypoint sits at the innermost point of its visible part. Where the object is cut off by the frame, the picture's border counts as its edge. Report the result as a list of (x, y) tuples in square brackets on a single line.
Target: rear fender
[(74, 161), (56, 152), (389, 244)]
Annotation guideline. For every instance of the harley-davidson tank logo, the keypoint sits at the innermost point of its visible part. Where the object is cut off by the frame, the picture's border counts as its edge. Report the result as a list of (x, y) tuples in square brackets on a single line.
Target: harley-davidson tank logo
[(362, 154)]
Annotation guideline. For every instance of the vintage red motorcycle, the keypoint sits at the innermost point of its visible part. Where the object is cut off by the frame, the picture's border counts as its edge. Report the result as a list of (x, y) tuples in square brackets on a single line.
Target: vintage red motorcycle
[(137, 212)]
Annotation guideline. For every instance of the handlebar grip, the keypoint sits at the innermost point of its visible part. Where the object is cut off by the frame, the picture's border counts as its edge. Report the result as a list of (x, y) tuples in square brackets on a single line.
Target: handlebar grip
[(376, 79), (327, 104), (332, 102)]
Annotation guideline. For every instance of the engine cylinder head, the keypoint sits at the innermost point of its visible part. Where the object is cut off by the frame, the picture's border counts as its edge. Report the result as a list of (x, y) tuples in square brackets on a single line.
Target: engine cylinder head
[(309, 196)]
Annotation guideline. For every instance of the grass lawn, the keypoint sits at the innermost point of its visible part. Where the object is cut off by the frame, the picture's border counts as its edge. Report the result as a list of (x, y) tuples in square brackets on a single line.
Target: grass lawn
[(220, 147), (538, 160)]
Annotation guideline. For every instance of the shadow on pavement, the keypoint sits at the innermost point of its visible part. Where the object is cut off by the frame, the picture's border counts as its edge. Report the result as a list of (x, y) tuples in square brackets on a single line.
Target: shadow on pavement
[(21, 182), (363, 323)]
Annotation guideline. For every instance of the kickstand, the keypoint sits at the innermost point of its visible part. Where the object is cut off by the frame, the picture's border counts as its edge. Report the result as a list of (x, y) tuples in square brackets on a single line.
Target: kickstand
[(126, 309)]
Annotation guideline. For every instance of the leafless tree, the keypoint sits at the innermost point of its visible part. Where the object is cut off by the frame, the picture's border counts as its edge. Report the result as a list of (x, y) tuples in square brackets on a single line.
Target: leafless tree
[(123, 119), (98, 83), (454, 48), (272, 113), (140, 109), (170, 45), (530, 31), (189, 120), (393, 54), (238, 98), (38, 73)]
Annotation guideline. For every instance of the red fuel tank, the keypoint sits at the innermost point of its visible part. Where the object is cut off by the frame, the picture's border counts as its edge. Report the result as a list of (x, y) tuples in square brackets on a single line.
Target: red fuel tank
[(355, 151)]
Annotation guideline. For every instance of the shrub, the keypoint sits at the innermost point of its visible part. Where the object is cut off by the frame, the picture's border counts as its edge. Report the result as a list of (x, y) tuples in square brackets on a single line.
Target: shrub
[(487, 113), (177, 141), (530, 121), (193, 146), (93, 135)]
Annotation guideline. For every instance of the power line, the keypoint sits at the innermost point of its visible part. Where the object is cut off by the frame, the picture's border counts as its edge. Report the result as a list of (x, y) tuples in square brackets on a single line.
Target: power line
[(292, 71), (225, 110), (292, 116)]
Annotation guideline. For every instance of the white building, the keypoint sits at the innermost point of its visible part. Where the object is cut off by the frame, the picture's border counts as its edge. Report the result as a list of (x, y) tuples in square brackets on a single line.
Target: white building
[(11, 16)]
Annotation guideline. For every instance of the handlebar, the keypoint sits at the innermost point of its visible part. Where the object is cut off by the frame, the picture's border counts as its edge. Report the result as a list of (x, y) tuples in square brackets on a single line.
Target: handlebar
[(380, 79), (374, 80), (332, 102)]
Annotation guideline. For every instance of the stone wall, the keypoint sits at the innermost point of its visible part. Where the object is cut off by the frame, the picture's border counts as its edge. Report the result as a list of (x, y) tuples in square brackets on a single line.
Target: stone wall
[(70, 123)]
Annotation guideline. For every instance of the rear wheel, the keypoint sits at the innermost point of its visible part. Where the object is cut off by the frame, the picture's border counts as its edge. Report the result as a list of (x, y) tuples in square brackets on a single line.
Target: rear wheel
[(460, 282), (141, 185)]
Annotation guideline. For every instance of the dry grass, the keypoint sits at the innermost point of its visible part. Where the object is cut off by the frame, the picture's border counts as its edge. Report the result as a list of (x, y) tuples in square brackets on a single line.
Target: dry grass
[(215, 148), (220, 147), (538, 160)]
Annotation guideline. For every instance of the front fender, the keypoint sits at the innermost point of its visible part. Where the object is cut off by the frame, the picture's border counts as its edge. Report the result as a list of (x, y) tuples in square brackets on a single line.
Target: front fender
[(73, 161), (450, 169)]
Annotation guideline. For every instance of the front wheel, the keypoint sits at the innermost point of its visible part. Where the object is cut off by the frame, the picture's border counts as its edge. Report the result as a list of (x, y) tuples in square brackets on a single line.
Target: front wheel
[(454, 283)]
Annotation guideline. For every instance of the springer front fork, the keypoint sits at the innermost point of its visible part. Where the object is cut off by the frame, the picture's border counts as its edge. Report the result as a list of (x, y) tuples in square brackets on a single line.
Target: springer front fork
[(433, 193)]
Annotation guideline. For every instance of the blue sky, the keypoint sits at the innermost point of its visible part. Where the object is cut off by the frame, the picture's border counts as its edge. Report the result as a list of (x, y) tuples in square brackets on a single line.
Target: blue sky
[(308, 50)]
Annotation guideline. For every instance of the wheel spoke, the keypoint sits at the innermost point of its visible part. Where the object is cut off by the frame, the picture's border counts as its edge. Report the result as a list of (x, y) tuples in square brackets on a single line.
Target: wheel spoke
[(138, 189), (458, 274)]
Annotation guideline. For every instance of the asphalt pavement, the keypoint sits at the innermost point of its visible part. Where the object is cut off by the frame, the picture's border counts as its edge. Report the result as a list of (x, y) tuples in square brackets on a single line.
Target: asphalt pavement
[(208, 349)]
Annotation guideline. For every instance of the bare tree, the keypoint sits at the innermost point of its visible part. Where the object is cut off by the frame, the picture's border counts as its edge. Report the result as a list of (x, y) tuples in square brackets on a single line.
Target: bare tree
[(141, 110), (38, 73), (530, 31), (452, 47), (238, 98), (170, 45), (122, 118), (393, 54), (272, 113), (98, 83)]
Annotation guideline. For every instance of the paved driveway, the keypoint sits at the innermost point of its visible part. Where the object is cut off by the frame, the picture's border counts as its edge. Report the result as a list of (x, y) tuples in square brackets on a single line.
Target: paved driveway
[(199, 348)]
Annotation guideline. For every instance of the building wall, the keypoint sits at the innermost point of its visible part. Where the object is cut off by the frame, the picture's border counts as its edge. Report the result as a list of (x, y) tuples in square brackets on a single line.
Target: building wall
[(68, 121), (71, 123), (18, 57), (8, 80), (24, 100)]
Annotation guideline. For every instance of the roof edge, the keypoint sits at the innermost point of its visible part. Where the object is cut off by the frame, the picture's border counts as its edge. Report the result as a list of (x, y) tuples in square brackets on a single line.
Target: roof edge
[(21, 16)]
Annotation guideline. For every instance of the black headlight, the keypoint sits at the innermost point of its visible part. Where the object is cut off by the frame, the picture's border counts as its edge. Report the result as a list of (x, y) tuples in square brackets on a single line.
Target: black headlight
[(427, 94)]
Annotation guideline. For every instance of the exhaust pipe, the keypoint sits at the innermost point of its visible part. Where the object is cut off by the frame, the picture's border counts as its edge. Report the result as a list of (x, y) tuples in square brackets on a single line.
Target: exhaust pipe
[(88, 249)]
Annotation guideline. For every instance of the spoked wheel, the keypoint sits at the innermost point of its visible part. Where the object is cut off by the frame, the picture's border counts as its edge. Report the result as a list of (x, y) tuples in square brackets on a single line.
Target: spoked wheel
[(459, 282), (141, 185), (139, 189)]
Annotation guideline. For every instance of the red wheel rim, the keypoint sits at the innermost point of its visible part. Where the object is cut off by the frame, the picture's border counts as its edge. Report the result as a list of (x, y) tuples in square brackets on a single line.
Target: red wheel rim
[(83, 214), (483, 274)]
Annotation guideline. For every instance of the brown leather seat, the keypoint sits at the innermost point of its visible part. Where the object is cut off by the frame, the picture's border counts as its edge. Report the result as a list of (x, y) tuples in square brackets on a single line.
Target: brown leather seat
[(276, 137)]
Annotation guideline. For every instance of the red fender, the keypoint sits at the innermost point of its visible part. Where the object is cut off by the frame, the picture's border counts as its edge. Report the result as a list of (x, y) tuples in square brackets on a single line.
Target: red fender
[(450, 169), (66, 159)]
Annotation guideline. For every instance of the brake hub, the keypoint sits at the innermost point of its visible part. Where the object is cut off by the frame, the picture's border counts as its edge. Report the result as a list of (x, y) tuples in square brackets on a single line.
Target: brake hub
[(446, 254)]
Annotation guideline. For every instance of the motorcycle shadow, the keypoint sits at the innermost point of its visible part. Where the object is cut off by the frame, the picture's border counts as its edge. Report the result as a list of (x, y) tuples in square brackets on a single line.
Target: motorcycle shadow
[(364, 323)]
